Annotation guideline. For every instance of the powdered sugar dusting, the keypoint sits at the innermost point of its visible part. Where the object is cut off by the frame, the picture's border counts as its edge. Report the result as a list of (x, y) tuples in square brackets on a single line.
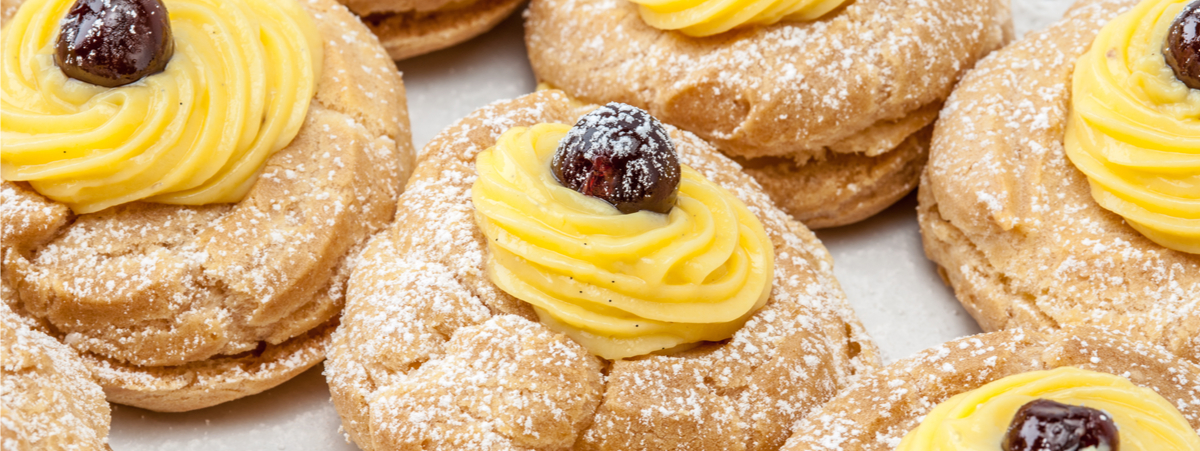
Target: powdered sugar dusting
[(1035, 248), (609, 121), (794, 88), (621, 154), (421, 295), (879, 410), (47, 397), (147, 289)]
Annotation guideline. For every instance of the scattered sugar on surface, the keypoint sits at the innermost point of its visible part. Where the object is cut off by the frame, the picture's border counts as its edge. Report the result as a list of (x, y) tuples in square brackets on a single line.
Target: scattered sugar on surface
[(873, 61), (877, 411), (420, 292), (47, 395), (1004, 181), (183, 284), (630, 142)]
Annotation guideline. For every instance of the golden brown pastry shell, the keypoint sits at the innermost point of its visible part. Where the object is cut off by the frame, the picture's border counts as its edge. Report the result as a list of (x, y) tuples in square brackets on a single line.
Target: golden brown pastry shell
[(179, 307), (431, 354), (876, 413), (833, 110), (409, 28), (1012, 223), (48, 400)]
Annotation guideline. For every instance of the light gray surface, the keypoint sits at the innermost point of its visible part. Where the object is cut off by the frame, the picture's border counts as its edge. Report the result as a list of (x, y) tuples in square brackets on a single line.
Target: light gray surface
[(895, 290), (893, 287)]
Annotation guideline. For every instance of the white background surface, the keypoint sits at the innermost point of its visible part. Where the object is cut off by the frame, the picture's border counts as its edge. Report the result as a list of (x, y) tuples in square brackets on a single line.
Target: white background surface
[(893, 287)]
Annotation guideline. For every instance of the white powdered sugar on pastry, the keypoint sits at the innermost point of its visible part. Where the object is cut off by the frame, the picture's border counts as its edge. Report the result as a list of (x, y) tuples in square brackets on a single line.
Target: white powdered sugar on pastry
[(880, 409), (792, 89), (830, 116), (431, 354), (178, 308), (48, 400), (1012, 222)]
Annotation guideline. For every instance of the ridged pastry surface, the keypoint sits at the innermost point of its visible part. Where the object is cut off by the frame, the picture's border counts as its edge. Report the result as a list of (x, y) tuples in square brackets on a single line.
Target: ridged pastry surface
[(48, 400), (179, 307), (409, 28), (1013, 223), (877, 411), (431, 353), (830, 116)]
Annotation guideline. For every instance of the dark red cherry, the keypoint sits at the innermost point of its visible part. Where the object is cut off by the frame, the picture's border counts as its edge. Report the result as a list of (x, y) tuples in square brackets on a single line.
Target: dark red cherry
[(1183, 46), (114, 42), (622, 155), (1045, 425)]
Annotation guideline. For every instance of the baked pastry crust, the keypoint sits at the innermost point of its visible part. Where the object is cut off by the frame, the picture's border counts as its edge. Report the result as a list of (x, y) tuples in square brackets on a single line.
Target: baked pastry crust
[(860, 82), (842, 188), (8, 8), (48, 400), (1012, 223), (881, 408), (178, 308), (408, 28), (430, 353)]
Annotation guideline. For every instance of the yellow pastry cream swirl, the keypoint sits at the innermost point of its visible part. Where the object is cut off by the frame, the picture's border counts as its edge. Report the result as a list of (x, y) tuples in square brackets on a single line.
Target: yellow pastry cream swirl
[(619, 284), (979, 419), (236, 91), (1134, 128), (709, 17)]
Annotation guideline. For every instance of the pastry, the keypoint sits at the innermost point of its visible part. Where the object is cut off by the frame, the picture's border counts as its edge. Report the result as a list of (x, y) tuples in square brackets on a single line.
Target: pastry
[(827, 104), (191, 242), (1077, 388), (48, 400), (478, 320), (1017, 210), (408, 28)]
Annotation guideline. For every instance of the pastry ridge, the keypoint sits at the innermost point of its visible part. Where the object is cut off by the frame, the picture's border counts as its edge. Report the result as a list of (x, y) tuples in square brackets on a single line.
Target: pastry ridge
[(178, 308), (1012, 223), (419, 293), (47, 397), (878, 410), (411, 28), (861, 81)]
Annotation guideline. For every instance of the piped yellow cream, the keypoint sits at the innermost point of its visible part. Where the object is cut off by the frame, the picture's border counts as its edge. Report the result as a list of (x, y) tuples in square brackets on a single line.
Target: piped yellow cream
[(709, 17), (979, 419), (1134, 128), (619, 284), (236, 91)]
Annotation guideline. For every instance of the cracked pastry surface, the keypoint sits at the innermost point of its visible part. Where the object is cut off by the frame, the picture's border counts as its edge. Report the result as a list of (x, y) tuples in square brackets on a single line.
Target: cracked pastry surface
[(430, 353), (838, 104), (881, 408), (48, 400), (1012, 223), (178, 308)]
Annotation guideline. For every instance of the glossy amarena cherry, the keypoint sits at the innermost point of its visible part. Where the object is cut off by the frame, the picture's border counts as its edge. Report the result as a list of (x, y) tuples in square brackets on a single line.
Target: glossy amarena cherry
[(1045, 425), (622, 155), (1182, 49), (114, 42)]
